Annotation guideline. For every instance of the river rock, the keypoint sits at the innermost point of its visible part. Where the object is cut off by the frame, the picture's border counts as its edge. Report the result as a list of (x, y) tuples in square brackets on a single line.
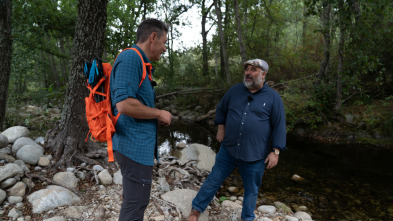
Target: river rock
[(104, 177), (30, 154), (14, 199), (233, 189), (15, 213), (56, 218), (3, 195), (7, 157), (52, 197), (3, 141), (267, 209), (283, 208), (40, 140), (43, 161), (205, 156), (7, 183), (22, 165), (290, 218), (163, 184), (230, 204), (13, 133), (297, 178), (182, 199), (23, 141), (67, 179), (181, 145), (6, 150), (10, 170), (302, 216), (19, 189), (118, 178)]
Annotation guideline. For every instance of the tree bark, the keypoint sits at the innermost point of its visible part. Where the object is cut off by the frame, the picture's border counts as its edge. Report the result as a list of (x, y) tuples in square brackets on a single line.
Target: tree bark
[(66, 140), (222, 39), (205, 57), (243, 49), (325, 17), (6, 55)]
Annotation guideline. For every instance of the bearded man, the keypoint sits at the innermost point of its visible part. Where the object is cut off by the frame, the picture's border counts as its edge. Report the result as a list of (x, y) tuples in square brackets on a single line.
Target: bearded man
[(252, 132)]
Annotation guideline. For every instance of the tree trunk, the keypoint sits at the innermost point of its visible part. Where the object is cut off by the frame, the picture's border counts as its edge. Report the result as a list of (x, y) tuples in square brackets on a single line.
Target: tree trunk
[(205, 58), (66, 140), (5, 58), (222, 39), (325, 17), (243, 51), (339, 70)]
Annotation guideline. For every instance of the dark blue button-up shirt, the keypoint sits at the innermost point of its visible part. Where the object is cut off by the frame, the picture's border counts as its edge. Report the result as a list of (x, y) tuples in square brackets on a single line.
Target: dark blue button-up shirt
[(134, 138), (251, 121)]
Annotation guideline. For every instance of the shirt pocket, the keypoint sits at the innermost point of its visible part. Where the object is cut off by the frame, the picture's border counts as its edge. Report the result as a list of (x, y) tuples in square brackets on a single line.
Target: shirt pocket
[(261, 111)]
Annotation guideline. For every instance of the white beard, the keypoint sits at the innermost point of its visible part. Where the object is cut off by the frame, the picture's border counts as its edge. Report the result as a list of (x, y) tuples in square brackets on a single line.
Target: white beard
[(255, 83)]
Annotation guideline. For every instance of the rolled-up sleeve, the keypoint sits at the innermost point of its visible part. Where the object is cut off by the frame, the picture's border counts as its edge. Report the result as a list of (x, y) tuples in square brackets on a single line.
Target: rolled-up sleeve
[(126, 75)]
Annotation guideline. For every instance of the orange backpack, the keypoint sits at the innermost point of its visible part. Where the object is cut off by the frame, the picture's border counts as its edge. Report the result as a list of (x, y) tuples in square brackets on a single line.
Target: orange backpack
[(99, 114)]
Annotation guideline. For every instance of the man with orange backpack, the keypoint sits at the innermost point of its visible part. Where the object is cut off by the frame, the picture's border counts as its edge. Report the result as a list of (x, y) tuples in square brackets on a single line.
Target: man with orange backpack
[(135, 139)]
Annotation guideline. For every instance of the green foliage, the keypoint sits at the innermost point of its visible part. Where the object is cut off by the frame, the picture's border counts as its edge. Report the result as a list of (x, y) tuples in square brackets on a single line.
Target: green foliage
[(223, 198)]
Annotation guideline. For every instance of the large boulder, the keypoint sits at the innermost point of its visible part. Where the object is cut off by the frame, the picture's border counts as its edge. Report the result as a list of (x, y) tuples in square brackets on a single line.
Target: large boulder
[(30, 154), (13, 133), (52, 197), (23, 141), (182, 199), (204, 156)]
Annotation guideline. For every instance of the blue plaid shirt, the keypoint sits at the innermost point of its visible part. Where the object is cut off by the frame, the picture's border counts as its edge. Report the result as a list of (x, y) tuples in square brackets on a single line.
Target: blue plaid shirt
[(251, 121), (134, 138)]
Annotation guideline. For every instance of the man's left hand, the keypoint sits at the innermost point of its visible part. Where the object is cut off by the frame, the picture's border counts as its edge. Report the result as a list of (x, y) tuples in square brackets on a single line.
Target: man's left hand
[(271, 160)]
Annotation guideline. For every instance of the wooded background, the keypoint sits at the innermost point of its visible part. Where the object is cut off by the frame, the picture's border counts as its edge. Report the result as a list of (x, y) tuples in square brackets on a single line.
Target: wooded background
[(323, 54)]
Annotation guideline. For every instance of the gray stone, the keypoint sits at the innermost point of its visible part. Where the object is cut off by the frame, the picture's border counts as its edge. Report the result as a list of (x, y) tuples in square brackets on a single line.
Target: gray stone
[(182, 199), (118, 178), (233, 189), (56, 218), (15, 213), (163, 184), (30, 154), (15, 199), (291, 218), (13, 133), (67, 179), (204, 155), (23, 141), (7, 183), (52, 197), (3, 141), (3, 195), (104, 177), (181, 145), (302, 216), (10, 170), (233, 198), (266, 209), (5, 150), (98, 168), (40, 140), (230, 204), (22, 165), (7, 158), (283, 208), (81, 175), (19, 189)]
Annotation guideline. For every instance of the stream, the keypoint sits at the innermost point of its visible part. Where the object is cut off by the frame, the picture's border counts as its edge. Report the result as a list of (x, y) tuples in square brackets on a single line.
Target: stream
[(346, 182)]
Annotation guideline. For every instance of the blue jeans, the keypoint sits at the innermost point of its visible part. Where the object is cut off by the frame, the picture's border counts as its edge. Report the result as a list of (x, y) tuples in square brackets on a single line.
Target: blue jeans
[(251, 173)]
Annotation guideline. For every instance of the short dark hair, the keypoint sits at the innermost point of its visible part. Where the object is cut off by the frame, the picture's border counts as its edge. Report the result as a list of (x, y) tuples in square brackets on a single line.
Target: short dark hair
[(149, 26)]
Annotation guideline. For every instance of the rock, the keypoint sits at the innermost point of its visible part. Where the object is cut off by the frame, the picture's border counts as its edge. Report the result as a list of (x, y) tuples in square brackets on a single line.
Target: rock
[(7, 183), (297, 178), (6, 150), (233, 198), (23, 141), (349, 118), (56, 218), (230, 204), (15, 199), (104, 177), (19, 189), (291, 218), (15, 213), (163, 184), (3, 141), (43, 161), (40, 140), (302, 216), (30, 154), (13, 133), (182, 199), (52, 197), (22, 165), (67, 179), (7, 158), (205, 156), (118, 178), (81, 175), (267, 210), (283, 208), (181, 145), (98, 168), (75, 211), (3, 195), (233, 189), (10, 170), (300, 208)]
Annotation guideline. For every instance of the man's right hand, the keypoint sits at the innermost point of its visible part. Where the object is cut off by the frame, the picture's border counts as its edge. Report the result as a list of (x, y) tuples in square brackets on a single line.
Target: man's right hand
[(164, 118), (220, 133)]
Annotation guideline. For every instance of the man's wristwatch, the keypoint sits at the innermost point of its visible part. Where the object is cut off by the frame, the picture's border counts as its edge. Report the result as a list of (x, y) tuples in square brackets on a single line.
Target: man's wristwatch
[(276, 151)]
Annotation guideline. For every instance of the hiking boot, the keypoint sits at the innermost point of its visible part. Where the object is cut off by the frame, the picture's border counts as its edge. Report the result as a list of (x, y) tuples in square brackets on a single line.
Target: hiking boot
[(194, 214)]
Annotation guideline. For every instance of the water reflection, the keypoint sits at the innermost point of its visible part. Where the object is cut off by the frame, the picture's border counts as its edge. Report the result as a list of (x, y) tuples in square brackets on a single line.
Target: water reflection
[(342, 182)]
